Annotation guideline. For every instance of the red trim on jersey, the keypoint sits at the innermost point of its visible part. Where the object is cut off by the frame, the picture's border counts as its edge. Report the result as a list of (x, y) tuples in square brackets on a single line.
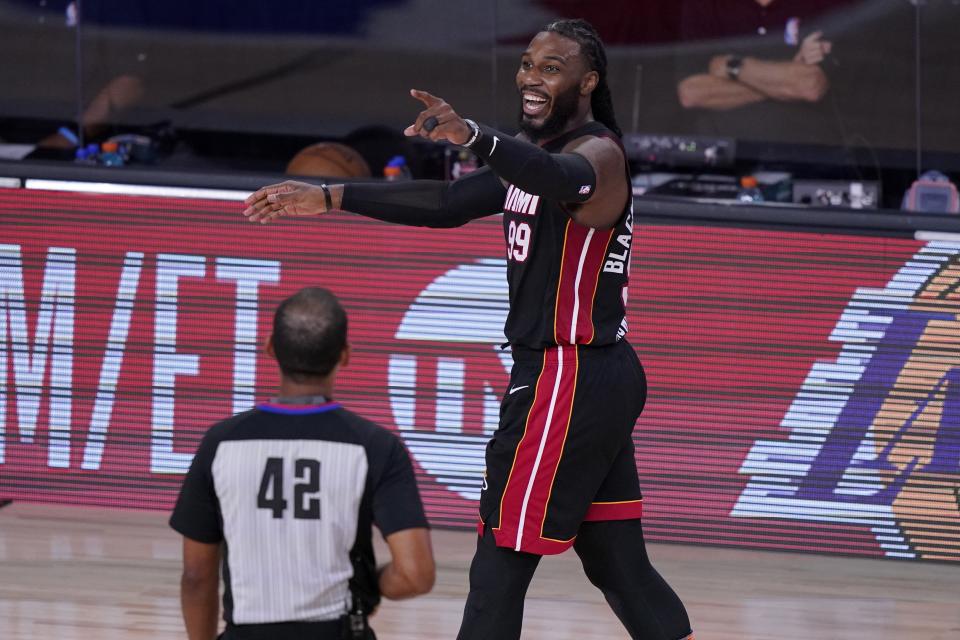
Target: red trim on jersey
[(563, 305), (596, 286), (623, 510), (580, 266), (526, 495)]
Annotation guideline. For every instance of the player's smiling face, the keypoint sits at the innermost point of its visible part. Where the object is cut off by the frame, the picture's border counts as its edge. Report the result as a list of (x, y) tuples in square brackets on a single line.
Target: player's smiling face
[(552, 80)]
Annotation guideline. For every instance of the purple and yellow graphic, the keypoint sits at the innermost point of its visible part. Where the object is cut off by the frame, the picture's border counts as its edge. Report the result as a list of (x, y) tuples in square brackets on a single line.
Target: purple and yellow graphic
[(875, 434)]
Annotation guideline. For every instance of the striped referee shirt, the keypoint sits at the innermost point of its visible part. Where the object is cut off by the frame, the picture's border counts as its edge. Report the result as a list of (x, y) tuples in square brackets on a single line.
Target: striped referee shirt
[(292, 491)]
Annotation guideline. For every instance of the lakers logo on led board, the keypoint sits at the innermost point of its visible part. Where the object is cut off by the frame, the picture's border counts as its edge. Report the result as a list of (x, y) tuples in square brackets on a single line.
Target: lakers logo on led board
[(875, 434)]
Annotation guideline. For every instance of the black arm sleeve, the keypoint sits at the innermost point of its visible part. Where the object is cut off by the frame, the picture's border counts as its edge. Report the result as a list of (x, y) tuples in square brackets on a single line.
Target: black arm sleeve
[(567, 177), (428, 203)]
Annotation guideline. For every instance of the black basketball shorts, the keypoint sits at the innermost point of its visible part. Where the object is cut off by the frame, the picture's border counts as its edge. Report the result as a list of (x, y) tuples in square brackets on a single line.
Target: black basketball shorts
[(563, 452)]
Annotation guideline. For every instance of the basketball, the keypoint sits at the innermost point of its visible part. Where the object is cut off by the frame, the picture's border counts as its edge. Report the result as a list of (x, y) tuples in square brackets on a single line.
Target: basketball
[(328, 160)]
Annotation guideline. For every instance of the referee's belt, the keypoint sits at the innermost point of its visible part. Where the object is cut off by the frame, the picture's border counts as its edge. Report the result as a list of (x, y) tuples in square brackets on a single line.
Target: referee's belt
[(319, 630)]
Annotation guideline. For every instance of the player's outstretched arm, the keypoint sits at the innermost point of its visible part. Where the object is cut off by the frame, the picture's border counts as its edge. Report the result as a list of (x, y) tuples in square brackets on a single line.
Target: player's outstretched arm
[(422, 203), (589, 174), (291, 198)]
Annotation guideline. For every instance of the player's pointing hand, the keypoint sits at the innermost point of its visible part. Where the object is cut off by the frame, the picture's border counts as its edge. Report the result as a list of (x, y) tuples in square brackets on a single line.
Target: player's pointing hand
[(438, 121), (288, 198)]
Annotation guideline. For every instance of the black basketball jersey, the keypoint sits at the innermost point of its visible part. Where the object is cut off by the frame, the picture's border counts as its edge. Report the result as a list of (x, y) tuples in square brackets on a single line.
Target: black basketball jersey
[(291, 492), (568, 282)]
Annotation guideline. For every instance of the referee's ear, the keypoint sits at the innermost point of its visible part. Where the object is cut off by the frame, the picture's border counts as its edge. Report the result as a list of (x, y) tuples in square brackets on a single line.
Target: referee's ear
[(344, 357), (268, 347)]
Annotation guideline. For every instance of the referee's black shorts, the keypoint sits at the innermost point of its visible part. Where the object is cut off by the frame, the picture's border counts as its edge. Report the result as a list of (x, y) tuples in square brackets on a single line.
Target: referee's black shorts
[(563, 452)]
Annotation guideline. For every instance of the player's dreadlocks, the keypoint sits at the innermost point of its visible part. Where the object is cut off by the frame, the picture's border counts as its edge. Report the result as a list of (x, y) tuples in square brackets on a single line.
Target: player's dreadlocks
[(583, 33)]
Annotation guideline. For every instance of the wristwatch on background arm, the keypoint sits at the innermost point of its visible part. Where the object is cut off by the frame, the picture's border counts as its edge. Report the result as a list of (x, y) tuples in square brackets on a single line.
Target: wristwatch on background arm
[(734, 64)]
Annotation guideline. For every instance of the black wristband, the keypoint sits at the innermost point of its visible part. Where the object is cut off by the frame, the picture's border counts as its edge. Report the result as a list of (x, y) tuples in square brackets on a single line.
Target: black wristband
[(327, 198)]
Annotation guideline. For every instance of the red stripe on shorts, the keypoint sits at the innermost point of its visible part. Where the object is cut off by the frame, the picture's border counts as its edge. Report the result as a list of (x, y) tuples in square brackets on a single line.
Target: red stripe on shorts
[(524, 502), (625, 510)]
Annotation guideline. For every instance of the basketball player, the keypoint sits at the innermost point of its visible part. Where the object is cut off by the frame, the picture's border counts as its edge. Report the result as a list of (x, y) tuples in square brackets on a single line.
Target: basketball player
[(286, 494), (561, 470)]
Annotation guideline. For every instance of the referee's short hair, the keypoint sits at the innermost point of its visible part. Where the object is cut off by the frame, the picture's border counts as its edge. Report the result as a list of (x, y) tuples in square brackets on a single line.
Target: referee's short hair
[(309, 333)]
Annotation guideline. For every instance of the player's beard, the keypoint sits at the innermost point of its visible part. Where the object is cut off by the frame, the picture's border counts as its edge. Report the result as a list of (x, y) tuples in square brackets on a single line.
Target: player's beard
[(563, 109)]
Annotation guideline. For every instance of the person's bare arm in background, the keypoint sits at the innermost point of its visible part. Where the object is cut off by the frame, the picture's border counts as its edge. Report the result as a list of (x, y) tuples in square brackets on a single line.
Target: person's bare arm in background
[(798, 80), (706, 91)]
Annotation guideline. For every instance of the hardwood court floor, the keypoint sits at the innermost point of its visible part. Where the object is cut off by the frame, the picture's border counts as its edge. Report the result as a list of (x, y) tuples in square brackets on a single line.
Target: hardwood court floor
[(80, 573)]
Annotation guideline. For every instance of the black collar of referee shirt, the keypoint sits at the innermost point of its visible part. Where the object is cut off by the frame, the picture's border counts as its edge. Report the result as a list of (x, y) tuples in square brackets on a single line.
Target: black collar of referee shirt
[(300, 400)]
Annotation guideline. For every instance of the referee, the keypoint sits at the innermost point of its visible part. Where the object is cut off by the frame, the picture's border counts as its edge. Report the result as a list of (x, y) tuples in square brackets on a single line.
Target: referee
[(284, 496)]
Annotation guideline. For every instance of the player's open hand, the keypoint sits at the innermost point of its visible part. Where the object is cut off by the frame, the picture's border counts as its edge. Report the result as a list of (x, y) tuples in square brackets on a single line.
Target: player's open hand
[(438, 121), (288, 198)]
